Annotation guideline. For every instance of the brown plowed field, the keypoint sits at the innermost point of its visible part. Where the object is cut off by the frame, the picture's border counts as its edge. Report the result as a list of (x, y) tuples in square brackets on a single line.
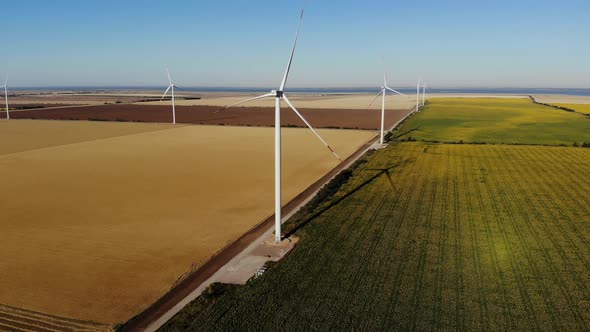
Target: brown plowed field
[(21, 106), (240, 116)]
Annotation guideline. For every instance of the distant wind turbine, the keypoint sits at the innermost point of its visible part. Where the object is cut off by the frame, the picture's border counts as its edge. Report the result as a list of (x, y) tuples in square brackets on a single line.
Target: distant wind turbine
[(418, 94), (383, 92), (423, 94), (171, 88), (279, 95), (6, 97)]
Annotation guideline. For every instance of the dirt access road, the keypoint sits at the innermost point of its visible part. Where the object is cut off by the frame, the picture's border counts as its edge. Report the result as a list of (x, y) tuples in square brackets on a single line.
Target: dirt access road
[(190, 288)]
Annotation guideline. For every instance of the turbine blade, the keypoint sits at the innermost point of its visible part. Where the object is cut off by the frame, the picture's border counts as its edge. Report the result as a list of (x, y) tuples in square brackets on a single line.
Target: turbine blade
[(392, 90), (6, 81), (245, 101), (169, 78), (310, 127), (286, 76), (165, 93), (384, 71), (377, 96), (390, 179)]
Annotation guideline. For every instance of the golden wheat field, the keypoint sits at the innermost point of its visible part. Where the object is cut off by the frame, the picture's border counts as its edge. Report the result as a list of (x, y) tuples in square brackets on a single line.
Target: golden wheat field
[(99, 219)]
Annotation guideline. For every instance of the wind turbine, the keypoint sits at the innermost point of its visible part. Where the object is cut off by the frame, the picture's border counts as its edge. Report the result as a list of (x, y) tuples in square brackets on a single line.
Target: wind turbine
[(279, 95), (423, 94), (418, 94), (6, 97), (171, 88), (383, 91)]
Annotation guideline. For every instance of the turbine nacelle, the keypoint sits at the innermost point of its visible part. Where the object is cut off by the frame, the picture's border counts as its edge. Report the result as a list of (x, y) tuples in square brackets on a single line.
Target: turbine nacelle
[(171, 88), (5, 87), (383, 92)]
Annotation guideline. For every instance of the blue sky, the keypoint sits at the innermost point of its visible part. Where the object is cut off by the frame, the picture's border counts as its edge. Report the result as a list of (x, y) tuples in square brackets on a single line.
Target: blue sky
[(244, 43)]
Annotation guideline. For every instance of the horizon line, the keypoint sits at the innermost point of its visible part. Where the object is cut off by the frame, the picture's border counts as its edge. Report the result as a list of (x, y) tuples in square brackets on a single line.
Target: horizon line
[(83, 86)]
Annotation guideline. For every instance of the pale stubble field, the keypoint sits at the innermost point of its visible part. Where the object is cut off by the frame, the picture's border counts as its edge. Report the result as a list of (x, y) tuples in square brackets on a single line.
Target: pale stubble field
[(99, 219)]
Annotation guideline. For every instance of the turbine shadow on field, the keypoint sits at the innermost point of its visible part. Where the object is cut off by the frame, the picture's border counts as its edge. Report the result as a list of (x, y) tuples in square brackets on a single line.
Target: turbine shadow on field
[(381, 171), (385, 171), (409, 132)]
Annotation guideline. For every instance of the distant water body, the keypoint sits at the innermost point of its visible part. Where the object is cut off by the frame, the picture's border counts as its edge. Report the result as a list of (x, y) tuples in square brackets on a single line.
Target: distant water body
[(517, 91)]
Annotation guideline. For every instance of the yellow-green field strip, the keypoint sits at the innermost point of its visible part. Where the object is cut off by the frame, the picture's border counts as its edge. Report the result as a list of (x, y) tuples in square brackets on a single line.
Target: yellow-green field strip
[(466, 237)]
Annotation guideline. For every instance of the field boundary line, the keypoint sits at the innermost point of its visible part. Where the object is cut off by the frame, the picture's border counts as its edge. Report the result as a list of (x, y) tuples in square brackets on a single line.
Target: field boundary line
[(559, 108), (214, 263), (166, 307)]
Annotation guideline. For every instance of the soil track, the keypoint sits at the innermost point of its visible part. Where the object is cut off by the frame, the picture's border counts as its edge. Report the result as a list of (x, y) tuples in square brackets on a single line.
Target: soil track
[(240, 116)]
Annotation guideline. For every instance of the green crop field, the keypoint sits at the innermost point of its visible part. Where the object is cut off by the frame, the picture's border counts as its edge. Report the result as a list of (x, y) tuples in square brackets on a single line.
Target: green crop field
[(498, 120), (477, 237)]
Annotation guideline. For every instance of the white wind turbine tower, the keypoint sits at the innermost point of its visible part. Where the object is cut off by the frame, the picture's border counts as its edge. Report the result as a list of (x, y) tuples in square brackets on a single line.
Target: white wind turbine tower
[(423, 94), (171, 88), (5, 86), (418, 94), (279, 95), (383, 92)]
